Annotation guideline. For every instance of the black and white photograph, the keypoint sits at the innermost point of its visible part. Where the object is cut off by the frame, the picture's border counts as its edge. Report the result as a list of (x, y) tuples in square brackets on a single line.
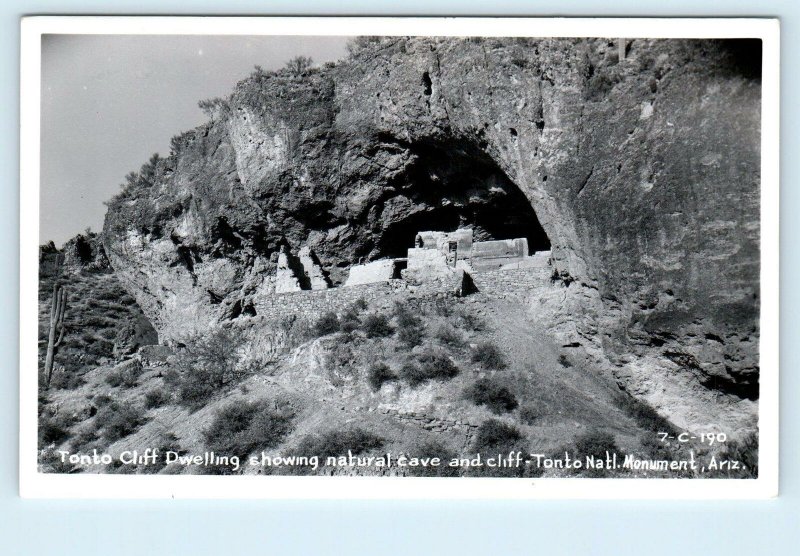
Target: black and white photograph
[(401, 255)]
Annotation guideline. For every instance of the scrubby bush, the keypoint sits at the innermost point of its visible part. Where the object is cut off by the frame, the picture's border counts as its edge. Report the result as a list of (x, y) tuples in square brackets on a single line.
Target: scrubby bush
[(295, 330), (114, 378), (299, 65), (326, 324), (356, 44), (206, 366), (84, 439), (489, 356), (449, 336), (379, 373), (564, 361), (376, 326), (496, 437), (126, 375), (498, 399), (529, 414), (645, 415), (66, 380), (493, 434), (350, 321), (156, 398), (240, 428), (337, 443), (101, 400), (340, 355), (351, 318), (53, 430), (595, 443), (471, 322), (411, 336), (118, 421), (430, 365), (410, 329)]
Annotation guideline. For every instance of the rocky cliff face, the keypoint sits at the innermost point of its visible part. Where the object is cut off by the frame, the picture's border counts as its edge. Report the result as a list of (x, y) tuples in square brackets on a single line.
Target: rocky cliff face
[(641, 174)]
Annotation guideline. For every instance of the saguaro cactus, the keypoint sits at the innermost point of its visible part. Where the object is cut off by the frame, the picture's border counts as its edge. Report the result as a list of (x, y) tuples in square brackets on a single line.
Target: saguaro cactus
[(57, 311)]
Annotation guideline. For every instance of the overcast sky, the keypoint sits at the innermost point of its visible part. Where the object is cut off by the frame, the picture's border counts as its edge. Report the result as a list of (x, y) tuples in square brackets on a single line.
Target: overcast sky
[(109, 102)]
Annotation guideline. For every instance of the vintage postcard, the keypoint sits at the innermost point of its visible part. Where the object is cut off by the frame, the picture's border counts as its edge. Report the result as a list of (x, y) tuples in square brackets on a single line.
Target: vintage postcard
[(399, 257)]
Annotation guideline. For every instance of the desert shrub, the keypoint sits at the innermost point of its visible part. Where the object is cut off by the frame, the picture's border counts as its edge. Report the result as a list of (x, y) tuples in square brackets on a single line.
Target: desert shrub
[(564, 361), (101, 400), (471, 322), (449, 336), (51, 463), (66, 380), (443, 307), (100, 348), (379, 373), (340, 355), (645, 415), (411, 336), (53, 430), (337, 443), (326, 324), (84, 439), (118, 421), (429, 449), (357, 44), (206, 366), (601, 84), (496, 437), (430, 365), (299, 65), (489, 356), (493, 434), (126, 376), (333, 444), (350, 321), (376, 326), (498, 399), (296, 330), (595, 443), (208, 106), (410, 329), (529, 414), (240, 428), (114, 378), (156, 398)]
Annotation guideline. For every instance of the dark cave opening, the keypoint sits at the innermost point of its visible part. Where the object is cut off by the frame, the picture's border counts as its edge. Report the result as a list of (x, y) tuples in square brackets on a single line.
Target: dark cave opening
[(456, 185), (83, 250)]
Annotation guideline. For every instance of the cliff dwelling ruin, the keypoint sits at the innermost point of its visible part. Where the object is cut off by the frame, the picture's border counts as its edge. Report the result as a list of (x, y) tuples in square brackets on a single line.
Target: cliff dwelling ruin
[(435, 255)]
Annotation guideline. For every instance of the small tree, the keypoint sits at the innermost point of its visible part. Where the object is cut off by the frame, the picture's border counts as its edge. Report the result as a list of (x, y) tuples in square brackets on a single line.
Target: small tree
[(299, 64), (207, 366)]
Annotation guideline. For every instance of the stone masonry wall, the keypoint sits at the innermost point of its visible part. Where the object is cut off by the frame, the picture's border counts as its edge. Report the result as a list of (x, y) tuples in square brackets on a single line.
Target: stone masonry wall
[(502, 283), (311, 304)]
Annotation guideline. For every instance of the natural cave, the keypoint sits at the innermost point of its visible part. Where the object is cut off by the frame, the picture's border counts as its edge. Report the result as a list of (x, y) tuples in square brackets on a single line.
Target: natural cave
[(453, 186)]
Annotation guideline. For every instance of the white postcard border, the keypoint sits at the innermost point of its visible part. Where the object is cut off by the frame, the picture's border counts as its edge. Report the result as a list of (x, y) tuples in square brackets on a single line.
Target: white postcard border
[(39, 485)]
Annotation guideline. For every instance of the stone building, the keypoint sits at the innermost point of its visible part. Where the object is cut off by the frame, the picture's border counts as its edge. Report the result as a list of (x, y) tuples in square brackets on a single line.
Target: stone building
[(440, 254)]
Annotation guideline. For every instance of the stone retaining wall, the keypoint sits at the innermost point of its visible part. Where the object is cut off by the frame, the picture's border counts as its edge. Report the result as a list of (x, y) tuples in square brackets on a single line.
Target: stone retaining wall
[(502, 283), (311, 304)]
